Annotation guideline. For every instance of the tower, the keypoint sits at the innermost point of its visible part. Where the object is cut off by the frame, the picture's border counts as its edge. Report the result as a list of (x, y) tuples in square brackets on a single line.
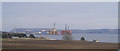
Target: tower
[(54, 27), (68, 28)]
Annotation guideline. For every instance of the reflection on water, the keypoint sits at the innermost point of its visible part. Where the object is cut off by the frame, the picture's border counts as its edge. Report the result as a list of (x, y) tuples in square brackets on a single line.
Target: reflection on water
[(113, 38)]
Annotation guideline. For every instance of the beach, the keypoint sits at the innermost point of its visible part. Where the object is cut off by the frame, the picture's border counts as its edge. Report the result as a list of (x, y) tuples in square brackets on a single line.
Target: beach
[(55, 44)]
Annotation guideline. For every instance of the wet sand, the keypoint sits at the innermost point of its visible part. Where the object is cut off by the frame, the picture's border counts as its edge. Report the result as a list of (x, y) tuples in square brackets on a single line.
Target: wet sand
[(55, 44)]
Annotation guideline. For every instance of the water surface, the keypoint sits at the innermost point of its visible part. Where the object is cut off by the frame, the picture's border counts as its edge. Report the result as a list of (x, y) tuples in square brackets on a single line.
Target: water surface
[(112, 38)]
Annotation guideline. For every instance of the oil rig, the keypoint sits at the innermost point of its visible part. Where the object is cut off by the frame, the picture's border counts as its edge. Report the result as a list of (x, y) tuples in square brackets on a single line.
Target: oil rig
[(66, 33), (53, 31)]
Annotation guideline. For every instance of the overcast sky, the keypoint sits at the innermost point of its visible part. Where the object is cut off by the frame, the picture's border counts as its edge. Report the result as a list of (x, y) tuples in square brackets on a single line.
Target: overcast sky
[(60, 0), (78, 15)]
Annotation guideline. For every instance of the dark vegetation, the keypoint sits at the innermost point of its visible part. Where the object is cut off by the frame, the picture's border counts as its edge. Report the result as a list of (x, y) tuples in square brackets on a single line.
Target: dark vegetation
[(10, 35), (31, 36)]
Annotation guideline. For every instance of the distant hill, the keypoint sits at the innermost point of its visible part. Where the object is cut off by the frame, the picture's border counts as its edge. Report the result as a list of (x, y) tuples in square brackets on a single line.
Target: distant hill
[(96, 31), (74, 31)]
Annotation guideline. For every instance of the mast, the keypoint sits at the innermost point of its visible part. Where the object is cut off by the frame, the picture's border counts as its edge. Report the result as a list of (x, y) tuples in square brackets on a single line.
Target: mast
[(65, 26), (68, 27)]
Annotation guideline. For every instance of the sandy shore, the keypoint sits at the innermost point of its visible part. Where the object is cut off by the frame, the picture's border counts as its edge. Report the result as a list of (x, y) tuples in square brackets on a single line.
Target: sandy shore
[(55, 44)]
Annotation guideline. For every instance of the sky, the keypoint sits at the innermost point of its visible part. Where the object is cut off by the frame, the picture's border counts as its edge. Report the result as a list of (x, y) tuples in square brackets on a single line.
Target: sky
[(78, 15), (60, 0), (0, 16)]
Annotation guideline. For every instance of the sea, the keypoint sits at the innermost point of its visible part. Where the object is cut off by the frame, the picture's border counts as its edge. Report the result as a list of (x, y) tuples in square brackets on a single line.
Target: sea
[(109, 38)]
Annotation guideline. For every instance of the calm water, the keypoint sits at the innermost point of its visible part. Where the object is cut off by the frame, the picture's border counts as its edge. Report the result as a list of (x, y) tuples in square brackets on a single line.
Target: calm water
[(113, 38)]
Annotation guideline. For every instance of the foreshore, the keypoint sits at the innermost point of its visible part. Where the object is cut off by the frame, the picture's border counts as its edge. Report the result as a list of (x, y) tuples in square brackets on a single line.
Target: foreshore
[(55, 44)]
